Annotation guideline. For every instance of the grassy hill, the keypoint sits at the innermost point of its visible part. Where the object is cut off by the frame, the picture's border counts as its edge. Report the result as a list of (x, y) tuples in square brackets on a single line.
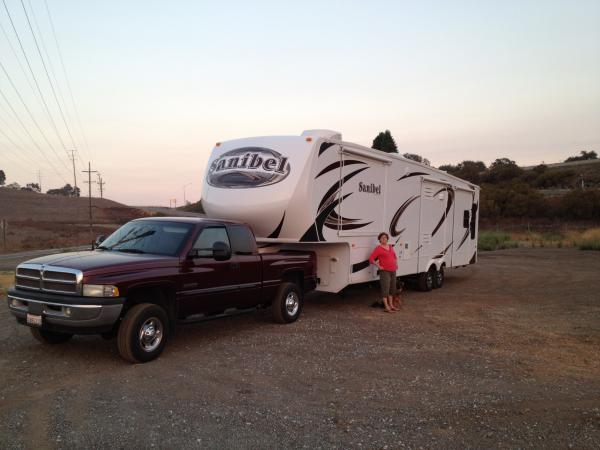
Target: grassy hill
[(38, 221)]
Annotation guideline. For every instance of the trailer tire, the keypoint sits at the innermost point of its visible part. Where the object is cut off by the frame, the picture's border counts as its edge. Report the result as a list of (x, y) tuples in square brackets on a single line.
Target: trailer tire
[(438, 278), (50, 337), (287, 305), (143, 333), (426, 280)]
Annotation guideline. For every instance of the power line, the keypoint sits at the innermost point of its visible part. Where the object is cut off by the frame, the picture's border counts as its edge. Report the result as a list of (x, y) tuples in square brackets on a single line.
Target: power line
[(27, 131), (62, 115), (54, 78), (14, 52), (52, 122), (62, 63)]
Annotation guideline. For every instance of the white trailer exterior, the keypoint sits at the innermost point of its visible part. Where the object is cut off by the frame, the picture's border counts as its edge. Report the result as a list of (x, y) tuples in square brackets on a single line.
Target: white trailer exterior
[(317, 192)]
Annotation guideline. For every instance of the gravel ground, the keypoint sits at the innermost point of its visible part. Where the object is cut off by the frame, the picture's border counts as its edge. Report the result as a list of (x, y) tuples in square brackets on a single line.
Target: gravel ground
[(505, 355)]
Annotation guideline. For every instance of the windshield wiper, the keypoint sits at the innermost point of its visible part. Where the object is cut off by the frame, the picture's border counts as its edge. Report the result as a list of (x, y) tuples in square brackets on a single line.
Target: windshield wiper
[(130, 250)]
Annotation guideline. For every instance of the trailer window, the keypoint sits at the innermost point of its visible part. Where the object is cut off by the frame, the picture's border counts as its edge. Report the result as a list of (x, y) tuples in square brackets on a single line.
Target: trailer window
[(203, 247), (242, 240), (466, 219)]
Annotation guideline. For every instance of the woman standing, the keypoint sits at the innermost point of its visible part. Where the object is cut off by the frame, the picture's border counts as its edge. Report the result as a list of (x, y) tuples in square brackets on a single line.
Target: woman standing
[(385, 258)]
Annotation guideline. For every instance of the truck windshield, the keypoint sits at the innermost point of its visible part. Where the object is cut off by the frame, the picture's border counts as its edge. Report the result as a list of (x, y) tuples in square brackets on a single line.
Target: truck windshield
[(159, 238)]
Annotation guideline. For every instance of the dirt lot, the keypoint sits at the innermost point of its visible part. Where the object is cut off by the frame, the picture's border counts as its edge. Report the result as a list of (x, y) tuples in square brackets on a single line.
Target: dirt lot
[(505, 355)]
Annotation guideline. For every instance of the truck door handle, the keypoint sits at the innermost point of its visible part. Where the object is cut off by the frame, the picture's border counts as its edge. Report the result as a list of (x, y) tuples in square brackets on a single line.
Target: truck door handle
[(235, 265)]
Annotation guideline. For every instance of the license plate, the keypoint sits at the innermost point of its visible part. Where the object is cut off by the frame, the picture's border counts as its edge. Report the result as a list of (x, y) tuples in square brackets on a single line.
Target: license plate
[(34, 320)]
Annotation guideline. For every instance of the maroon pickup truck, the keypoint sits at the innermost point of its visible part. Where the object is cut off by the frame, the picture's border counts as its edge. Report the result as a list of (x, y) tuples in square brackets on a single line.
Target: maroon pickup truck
[(150, 274)]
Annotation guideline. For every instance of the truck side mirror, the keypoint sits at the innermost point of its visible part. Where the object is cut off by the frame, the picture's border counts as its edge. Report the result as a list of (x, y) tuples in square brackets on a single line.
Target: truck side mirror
[(221, 251), (99, 240)]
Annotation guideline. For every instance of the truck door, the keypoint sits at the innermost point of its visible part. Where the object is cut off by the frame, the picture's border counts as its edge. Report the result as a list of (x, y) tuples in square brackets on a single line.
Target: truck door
[(248, 266), (208, 285)]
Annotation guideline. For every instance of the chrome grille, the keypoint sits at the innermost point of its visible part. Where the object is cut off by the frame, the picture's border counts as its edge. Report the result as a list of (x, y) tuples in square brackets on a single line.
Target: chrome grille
[(48, 279)]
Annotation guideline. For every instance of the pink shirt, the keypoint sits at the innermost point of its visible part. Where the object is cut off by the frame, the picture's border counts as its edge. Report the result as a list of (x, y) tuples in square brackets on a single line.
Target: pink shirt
[(387, 258)]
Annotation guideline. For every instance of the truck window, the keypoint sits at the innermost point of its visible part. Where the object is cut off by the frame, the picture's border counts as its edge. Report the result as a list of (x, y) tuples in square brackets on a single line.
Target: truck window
[(207, 238), (466, 219), (242, 240)]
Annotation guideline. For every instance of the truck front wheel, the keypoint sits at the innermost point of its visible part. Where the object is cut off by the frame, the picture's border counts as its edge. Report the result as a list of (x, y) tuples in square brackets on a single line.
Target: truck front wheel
[(287, 305), (143, 333), (50, 337)]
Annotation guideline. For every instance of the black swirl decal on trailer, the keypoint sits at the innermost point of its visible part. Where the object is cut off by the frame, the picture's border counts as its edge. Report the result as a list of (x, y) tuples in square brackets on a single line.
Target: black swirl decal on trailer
[(411, 174), (336, 165), (464, 238), (276, 231), (449, 203), (326, 208), (324, 146), (335, 221), (473, 258), (360, 266), (441, 255), (473, 223), (393, 231)]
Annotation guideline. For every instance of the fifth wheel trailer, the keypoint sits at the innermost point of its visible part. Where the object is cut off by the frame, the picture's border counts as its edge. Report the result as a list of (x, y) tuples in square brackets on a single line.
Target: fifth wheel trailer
[(317, 192)]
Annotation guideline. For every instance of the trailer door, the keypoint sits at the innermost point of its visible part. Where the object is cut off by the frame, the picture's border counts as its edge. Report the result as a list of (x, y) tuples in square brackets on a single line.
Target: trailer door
[(435, 222)]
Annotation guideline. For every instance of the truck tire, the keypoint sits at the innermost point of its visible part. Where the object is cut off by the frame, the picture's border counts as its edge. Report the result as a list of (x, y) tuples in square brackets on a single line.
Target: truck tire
[(50, 337), (438, 278), (143, 333), (426, 280), (287, 305)]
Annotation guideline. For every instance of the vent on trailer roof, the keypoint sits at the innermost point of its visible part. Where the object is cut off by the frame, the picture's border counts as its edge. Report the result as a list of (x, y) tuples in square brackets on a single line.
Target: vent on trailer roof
[(327, 134)]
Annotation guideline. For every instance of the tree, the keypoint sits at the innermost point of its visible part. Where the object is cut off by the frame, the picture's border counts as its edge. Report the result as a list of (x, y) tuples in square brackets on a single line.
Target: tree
[(31, 187), (503, 169), (14, 186), (583, 156), (2, 177), (67, 190), (385, 142), (417, 158)]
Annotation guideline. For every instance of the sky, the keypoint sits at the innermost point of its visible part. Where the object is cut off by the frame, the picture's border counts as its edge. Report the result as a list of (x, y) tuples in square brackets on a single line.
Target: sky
[(155, 84)]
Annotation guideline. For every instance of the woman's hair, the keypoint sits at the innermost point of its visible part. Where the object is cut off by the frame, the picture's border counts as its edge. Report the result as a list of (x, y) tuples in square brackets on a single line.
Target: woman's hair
[(383, 234)]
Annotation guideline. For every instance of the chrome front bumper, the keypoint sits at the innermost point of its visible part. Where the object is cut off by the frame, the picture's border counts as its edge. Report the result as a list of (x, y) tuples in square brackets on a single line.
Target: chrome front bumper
[(65, 312)]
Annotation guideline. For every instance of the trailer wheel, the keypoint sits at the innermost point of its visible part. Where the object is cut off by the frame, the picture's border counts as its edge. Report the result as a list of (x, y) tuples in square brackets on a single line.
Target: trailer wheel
[(50, 337), (287, 305), (426, 280), (143, 333), (438, 278)]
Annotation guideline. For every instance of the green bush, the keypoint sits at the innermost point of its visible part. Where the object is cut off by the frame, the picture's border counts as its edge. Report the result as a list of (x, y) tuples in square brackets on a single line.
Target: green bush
[(589, 244), (494, 240)]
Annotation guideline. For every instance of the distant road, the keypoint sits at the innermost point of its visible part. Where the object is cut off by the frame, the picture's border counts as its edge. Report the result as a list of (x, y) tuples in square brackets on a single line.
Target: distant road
[(169, 211), (9, 261)]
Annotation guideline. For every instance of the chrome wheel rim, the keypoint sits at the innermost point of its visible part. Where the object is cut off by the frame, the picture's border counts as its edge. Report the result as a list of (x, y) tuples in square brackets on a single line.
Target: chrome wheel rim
[(439, 277), (292, 303), (151, 334)]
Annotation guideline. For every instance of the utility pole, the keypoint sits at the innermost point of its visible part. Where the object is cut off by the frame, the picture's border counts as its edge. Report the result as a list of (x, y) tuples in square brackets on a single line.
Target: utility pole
[(184, 186), (101, 184), (39, 174), (89, 182), (72, 158)]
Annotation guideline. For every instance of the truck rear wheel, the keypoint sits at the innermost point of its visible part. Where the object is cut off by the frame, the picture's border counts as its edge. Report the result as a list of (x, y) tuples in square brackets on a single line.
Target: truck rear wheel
[(50, 337), (287, 305), (143, 333)]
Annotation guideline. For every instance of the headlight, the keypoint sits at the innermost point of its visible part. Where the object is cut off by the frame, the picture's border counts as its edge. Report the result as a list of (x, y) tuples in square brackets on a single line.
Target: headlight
[(100, 290)]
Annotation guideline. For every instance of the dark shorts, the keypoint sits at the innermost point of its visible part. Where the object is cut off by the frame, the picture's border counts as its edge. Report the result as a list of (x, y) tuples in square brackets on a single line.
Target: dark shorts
[(388, 283)]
